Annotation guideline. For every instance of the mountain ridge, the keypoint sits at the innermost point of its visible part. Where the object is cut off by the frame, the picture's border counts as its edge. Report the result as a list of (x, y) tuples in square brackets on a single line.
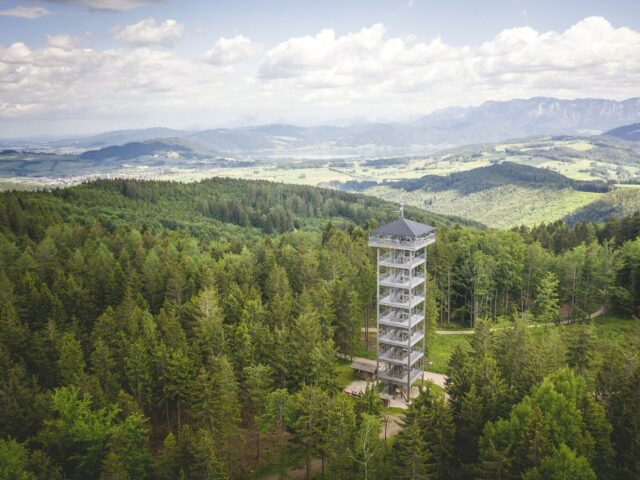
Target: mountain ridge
[(492, 121)]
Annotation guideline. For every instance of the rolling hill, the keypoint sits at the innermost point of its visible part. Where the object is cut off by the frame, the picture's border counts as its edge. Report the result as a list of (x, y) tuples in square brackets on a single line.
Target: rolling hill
[(135, 159), (502, 195), (496, 175), (161, 146), (630, 133), (619, 202)]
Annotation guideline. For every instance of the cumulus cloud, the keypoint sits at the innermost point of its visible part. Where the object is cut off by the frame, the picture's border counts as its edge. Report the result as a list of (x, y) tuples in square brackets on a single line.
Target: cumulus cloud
[(369, 73), (108, 5), (232, 50), (147, 32), (515, 59), (65, 42), (29, 13)]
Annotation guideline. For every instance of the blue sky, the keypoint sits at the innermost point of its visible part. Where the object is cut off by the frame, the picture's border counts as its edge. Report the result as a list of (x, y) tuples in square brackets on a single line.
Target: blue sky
[(79, 66)]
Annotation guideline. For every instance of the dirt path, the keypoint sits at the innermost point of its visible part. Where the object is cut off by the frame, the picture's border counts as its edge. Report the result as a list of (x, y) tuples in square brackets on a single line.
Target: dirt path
[(393, 426), (437, 378)]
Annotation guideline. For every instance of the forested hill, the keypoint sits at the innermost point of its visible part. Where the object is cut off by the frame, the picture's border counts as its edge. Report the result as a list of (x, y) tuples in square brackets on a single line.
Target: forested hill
[(503, 195), (211, 207), (161, 331), (162, 146), (626, 132), (499, 174)]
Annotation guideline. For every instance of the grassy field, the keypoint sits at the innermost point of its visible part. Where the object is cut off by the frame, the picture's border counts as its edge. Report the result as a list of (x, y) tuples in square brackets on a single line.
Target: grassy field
[(505, 206), (440, 349), (612, 332), (609, 332)]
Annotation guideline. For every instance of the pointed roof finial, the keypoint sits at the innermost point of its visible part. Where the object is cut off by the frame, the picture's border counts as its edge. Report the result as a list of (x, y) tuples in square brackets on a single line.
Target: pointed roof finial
[(402, 209)]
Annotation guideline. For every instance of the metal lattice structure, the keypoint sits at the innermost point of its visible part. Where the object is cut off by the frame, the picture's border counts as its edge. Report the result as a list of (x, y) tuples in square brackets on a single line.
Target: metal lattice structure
[(401, 293)]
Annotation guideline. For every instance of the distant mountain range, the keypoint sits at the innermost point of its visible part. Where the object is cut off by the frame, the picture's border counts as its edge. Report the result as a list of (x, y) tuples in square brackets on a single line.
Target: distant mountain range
[(490, 122), (118, 137), (538, 116)]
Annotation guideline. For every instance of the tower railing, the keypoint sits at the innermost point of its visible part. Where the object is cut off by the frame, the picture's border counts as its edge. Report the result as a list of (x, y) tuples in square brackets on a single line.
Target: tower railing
[(391, 355), (394, 338), (402, 301), (404, 281), (399, 375), (401, 259), (394, 320), (411, 243)]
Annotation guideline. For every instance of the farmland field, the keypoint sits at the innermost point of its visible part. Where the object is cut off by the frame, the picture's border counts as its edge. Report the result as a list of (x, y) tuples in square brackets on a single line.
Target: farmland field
[(503, 207)]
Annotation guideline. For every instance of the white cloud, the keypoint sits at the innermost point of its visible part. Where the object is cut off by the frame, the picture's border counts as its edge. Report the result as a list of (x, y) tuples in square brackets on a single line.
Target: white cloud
[(519, 61), (108, 5), (65, 42), (368, 73), (147, 32), (232, 50), (29, 13)]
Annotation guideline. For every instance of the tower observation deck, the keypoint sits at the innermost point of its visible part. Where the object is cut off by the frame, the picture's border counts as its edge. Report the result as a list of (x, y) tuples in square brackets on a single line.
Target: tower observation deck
[(401, 292)]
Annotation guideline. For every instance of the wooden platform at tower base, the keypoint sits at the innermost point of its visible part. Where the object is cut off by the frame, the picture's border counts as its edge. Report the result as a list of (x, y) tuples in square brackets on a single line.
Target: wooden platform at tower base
[(358, 387)]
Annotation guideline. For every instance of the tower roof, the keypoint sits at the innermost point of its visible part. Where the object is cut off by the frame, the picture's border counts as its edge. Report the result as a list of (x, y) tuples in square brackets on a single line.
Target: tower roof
[(404, 228)]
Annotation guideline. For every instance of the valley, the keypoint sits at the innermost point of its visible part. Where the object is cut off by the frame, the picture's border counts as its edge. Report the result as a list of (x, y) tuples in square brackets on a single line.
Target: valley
[(507, 201)]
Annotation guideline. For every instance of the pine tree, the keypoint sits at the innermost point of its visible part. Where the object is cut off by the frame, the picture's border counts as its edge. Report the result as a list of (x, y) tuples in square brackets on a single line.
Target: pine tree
[(199, 458), (113, 468), (279, 295), (535, 442), (580, 348), (14, 461), (138, 372), (71, 365), (458, 379), (179, 380), (166, 465), (341, 425), (279, 411), (227, 409), (411, 454), (206, 320), (310, 422), (104, 368), (438, 430), (481, 340), (258, 385), (469, 425), (547, 304)]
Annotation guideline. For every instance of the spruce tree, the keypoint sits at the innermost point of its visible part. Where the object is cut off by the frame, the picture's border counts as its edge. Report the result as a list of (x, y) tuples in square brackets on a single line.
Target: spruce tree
[(410, 454)]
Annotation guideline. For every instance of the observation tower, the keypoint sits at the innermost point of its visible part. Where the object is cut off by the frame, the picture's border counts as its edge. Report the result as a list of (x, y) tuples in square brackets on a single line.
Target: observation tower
[(401, 302)]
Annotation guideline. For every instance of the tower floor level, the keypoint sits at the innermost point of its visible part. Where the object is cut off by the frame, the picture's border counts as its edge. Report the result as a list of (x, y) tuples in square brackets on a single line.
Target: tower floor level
[(401, 248)]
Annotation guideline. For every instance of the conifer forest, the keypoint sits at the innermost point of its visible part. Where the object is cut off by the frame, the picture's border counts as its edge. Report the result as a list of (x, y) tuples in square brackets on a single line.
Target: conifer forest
[(159, 330)]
